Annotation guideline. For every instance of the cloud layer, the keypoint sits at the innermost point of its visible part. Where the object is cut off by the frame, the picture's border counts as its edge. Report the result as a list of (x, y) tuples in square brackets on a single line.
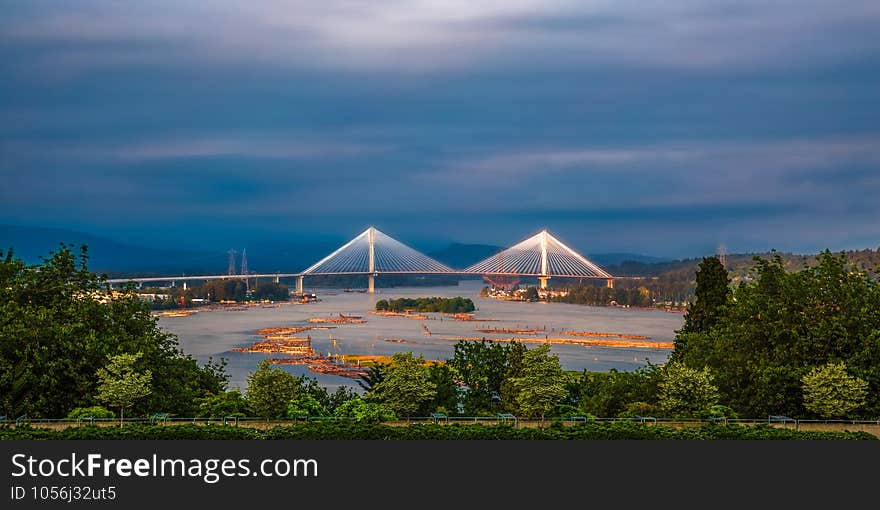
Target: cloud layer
[(660, 127)]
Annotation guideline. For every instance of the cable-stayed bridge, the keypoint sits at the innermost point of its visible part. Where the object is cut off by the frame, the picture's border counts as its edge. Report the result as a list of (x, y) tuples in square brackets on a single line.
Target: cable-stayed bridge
[(374, 253)]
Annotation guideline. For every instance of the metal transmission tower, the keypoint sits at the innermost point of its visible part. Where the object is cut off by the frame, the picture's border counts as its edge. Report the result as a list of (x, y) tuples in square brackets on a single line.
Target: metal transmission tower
[(231, 270), (542, 256), (244, 268), (722, 255), (373, 253)]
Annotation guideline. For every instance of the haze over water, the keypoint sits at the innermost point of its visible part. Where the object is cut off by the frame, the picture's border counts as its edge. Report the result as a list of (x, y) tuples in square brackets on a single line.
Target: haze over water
[(216, 333)]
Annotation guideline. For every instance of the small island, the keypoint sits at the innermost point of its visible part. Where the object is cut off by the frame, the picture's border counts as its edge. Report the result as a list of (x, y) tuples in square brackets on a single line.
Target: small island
[(430, 304)]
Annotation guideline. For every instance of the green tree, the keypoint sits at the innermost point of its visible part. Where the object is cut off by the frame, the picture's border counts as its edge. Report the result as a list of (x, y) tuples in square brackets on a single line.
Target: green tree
[(221, 405), (712, 293), (339, 397), (121, 385), (364, 411), (831, 392), (780, 325), (405, 386), (481, 367), (96, 412), (609, 394), (373, 376), (270, 389), (687, 392), (541, 383), (305, 404), (272, 291), (515, 362), (531, 294), (446, 397), (58, 325)]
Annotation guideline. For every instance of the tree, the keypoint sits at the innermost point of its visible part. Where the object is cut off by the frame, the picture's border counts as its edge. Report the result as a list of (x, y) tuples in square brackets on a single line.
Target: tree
[(711, 294), (780, 325), (541, 383), (339, 397), (831, 392), (373, 376), (405, 386), (515, 361), (96, 412), (305, 405), (609, 394), (481, 367), (447, 395), (270, 389), (120, 385), (221, 405), (687, 392), (531, 294), (58, 326)]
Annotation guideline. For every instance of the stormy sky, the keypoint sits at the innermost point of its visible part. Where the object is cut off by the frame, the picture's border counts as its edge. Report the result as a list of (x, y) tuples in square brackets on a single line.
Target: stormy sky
[(663, 128)]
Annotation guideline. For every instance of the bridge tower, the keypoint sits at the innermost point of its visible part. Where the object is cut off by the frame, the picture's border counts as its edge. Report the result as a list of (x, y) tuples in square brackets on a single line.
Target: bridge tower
[(371, 239), (545, 273), (299, 284)]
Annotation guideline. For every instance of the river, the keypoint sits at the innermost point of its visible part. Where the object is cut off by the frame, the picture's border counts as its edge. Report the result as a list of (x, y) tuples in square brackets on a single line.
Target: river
[(214, 333)]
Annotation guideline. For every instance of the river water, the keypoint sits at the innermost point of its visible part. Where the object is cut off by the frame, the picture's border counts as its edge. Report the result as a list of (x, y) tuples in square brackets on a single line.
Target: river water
[(214, 333)]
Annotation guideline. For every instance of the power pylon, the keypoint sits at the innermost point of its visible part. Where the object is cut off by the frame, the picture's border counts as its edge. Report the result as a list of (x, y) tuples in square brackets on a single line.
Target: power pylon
[(231, 270), (244, 268), (722, 255)]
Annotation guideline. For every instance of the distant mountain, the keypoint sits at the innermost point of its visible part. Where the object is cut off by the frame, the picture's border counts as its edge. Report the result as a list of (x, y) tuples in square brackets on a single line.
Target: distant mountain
[(121, 260), (613, 259), (31, 244)]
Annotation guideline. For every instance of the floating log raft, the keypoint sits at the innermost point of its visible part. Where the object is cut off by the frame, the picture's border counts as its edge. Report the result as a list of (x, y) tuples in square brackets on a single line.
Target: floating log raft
[(602, 334), (604, 342), (405, 315), (341, 319)]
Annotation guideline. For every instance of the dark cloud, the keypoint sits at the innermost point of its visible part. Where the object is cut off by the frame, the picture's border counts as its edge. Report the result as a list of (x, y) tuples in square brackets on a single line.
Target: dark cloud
[(662, 128)]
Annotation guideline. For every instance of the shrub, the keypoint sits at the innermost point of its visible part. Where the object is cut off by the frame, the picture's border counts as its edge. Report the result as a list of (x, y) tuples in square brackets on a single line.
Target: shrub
[(375, 431), (96, 412)]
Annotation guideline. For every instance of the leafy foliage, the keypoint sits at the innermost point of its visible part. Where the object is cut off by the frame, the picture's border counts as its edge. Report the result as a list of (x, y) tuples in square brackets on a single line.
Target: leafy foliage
[(406, 385), (349, 430), (429, 304), (305, 405), (711, 294), (687, 392), (270, 389), (58, 326), (612, 393), (120, 384), (780, 326), (831, 392), (448, 392), (540, 384), (482, 368), (221, 405), (96, 412), (363, 411)]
